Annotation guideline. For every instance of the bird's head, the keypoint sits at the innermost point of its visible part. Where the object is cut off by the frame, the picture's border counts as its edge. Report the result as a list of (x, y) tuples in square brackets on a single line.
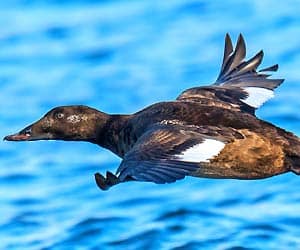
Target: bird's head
[(69, 123)]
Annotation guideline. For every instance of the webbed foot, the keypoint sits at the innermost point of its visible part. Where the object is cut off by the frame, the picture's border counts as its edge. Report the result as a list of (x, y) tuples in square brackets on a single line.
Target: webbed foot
[(105, 183)]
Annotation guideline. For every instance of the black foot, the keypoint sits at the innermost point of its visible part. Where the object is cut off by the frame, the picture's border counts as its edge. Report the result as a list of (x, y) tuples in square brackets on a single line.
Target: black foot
[(105, 183)]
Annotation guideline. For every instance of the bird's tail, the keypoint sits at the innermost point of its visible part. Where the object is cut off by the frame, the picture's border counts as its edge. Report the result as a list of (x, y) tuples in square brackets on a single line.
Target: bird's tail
[(295, 164), (292, 152)]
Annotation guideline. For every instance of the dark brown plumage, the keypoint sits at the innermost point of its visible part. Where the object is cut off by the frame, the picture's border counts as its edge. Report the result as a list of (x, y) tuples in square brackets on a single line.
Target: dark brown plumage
[(209, 131)]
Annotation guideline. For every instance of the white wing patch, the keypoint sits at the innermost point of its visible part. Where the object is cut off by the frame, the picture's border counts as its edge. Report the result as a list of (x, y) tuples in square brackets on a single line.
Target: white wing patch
[(257, 96), (202, 152)]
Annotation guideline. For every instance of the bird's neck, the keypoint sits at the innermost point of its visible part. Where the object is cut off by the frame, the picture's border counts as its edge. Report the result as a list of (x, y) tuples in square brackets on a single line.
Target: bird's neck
[(110, 134)]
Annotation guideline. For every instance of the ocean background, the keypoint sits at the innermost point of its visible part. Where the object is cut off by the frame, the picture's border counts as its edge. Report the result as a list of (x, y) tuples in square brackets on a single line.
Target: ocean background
[(120, 56)]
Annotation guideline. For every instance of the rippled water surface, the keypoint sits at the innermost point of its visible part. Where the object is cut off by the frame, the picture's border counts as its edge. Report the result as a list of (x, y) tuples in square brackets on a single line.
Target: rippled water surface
[(119, 56)]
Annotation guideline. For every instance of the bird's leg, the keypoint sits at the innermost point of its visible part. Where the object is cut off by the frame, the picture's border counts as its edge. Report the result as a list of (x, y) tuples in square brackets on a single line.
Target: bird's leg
[(105, 183)]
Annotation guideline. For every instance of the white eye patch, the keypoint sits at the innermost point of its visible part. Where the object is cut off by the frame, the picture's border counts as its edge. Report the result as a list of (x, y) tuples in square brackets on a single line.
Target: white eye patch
[(74, 118)]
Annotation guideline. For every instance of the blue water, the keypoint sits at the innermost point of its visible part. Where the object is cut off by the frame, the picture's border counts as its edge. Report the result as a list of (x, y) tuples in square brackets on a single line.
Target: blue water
[(119, 56)]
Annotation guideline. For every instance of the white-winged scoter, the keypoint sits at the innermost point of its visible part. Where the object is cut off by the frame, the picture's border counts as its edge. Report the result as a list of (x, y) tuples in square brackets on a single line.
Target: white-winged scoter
[(209, 131)]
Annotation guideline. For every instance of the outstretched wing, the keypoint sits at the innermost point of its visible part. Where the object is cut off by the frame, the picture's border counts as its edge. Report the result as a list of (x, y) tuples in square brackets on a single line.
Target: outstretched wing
[(239, 81), (166, 153)]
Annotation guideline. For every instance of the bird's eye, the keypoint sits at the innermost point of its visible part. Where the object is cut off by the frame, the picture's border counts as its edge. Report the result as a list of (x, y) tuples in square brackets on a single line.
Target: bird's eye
[(59, 115)]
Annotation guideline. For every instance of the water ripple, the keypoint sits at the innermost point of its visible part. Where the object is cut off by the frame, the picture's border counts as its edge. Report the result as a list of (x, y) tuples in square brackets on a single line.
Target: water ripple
[(181, 213)]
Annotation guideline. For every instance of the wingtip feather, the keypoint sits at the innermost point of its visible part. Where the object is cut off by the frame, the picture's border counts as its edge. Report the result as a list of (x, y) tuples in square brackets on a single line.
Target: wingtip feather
[(239, 52), (228, 49), (272, 68), (235, 70)]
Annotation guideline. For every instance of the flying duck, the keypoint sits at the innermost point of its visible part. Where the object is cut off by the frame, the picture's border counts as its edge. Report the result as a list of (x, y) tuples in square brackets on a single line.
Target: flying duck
[(209, 131)]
